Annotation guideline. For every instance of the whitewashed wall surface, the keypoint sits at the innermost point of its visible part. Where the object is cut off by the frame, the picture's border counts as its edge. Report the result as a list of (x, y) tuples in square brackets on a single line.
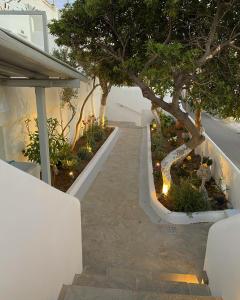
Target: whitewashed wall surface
[(222, 262), (40, 237), (126, 104), (226, 174), (19, 104)]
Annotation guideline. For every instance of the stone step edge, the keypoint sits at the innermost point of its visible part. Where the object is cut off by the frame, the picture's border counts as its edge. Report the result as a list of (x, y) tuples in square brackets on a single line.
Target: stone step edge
[(67, 290), (162, 276)]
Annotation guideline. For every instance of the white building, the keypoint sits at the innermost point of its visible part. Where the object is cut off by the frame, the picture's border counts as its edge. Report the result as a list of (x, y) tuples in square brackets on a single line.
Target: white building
[(18, 104)]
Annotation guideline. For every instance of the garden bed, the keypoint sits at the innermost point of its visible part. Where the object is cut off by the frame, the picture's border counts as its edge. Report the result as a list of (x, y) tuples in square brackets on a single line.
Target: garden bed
[(186, 183), (66, 177)]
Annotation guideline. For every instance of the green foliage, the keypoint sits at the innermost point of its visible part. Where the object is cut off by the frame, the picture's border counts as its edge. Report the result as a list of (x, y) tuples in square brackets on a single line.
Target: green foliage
[(93, 133), (207, 160), (159, 154), (166, 121), (85, 153), (162, 43), (186, 198), (156, 141), (59, 148)]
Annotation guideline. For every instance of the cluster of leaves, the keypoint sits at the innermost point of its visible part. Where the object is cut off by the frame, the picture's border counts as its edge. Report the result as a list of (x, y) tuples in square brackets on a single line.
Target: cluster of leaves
[(216, 89), (59, 148), (162, 46), (207, 160), (166, 120), (186, 198), (93, 134)]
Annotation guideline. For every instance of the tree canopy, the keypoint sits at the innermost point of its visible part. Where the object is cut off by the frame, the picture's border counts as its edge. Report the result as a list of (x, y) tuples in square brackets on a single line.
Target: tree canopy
[(162, 46)]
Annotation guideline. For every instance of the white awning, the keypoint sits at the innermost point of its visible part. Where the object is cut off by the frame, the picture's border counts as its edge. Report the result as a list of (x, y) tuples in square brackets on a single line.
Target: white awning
[(23, 65), (19, 59)]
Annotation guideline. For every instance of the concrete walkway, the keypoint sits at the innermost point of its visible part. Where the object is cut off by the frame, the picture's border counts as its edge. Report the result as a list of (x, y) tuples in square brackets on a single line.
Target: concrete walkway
[(118, 234)]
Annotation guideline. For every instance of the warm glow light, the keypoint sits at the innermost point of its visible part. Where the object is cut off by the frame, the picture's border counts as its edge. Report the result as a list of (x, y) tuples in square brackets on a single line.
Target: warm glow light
[(158, 164), (165, 189), (71, 174), (89, 148), (189, 157), (188, 278), (152, 129), (154, 125)]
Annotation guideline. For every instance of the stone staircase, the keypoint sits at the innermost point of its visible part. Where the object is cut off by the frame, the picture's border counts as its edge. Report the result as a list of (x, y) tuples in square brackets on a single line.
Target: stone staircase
[(125, 284)]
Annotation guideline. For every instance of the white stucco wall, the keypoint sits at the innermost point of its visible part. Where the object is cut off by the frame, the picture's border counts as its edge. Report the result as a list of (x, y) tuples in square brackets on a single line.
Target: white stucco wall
[(127, 104), (18, 104), (40, 237), (222, 262), (224, 169)]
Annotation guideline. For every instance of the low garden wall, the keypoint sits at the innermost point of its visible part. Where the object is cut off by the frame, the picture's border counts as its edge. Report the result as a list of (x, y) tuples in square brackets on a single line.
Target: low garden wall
[(81, 185), (223, 170), (40, 237), (170, 216), (222, 262)]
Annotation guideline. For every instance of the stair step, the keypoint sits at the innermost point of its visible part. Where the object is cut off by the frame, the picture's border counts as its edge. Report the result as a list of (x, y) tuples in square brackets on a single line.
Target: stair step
[(120, 279), (94, 293)]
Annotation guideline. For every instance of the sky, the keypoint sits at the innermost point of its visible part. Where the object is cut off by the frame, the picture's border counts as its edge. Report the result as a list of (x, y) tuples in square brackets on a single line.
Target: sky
[(60, 3)]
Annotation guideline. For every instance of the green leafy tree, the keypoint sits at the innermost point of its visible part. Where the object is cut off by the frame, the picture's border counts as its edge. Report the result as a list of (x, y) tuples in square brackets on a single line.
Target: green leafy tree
[(163, 46), (91, 62)]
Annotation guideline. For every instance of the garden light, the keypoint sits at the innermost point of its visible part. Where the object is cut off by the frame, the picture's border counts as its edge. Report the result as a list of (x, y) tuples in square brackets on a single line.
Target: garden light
[(89, 149), (158, 164), (165, 189), (189, 157), (71, 174)]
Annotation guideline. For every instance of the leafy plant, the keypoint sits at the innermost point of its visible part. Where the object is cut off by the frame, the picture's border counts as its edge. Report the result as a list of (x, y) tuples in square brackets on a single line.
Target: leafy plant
[(85, 153), (156, 142), (173, 140), (59, 148), (186, 198), (158, 154), (207, 160), (166, 120)]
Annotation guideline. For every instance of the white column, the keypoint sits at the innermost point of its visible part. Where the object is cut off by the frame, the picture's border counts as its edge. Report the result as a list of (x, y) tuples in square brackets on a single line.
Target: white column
[(43, 134)]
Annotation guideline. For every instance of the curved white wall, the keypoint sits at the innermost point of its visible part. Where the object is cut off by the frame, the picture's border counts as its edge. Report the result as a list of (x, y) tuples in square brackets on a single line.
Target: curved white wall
[(222, 262), (40, 237), (223, 169)]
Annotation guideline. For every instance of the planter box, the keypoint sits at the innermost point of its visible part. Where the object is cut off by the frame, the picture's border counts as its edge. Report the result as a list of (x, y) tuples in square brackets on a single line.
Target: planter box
[(83, 182), (171, 216)]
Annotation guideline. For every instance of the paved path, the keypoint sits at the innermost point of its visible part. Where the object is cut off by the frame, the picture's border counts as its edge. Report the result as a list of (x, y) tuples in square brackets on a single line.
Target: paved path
[(227, 138), (116, 231)]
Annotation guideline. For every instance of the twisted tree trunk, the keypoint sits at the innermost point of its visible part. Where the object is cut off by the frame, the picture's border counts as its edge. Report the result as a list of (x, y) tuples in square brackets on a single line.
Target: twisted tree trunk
[(78, 124), (106, 87), (182, 151), (174, 109), (156, 115), (198, 119)]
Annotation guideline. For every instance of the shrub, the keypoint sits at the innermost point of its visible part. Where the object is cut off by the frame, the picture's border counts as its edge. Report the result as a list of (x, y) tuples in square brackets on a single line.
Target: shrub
[(99, 134), (207, 160), (186, 198), (59, 148), (158, 154), (156, 142), (166, 120), (85, 153), (173, 141)]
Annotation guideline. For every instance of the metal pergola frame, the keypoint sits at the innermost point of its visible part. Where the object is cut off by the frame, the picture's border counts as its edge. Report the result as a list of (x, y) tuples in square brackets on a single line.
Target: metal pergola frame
[(23, 65)]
